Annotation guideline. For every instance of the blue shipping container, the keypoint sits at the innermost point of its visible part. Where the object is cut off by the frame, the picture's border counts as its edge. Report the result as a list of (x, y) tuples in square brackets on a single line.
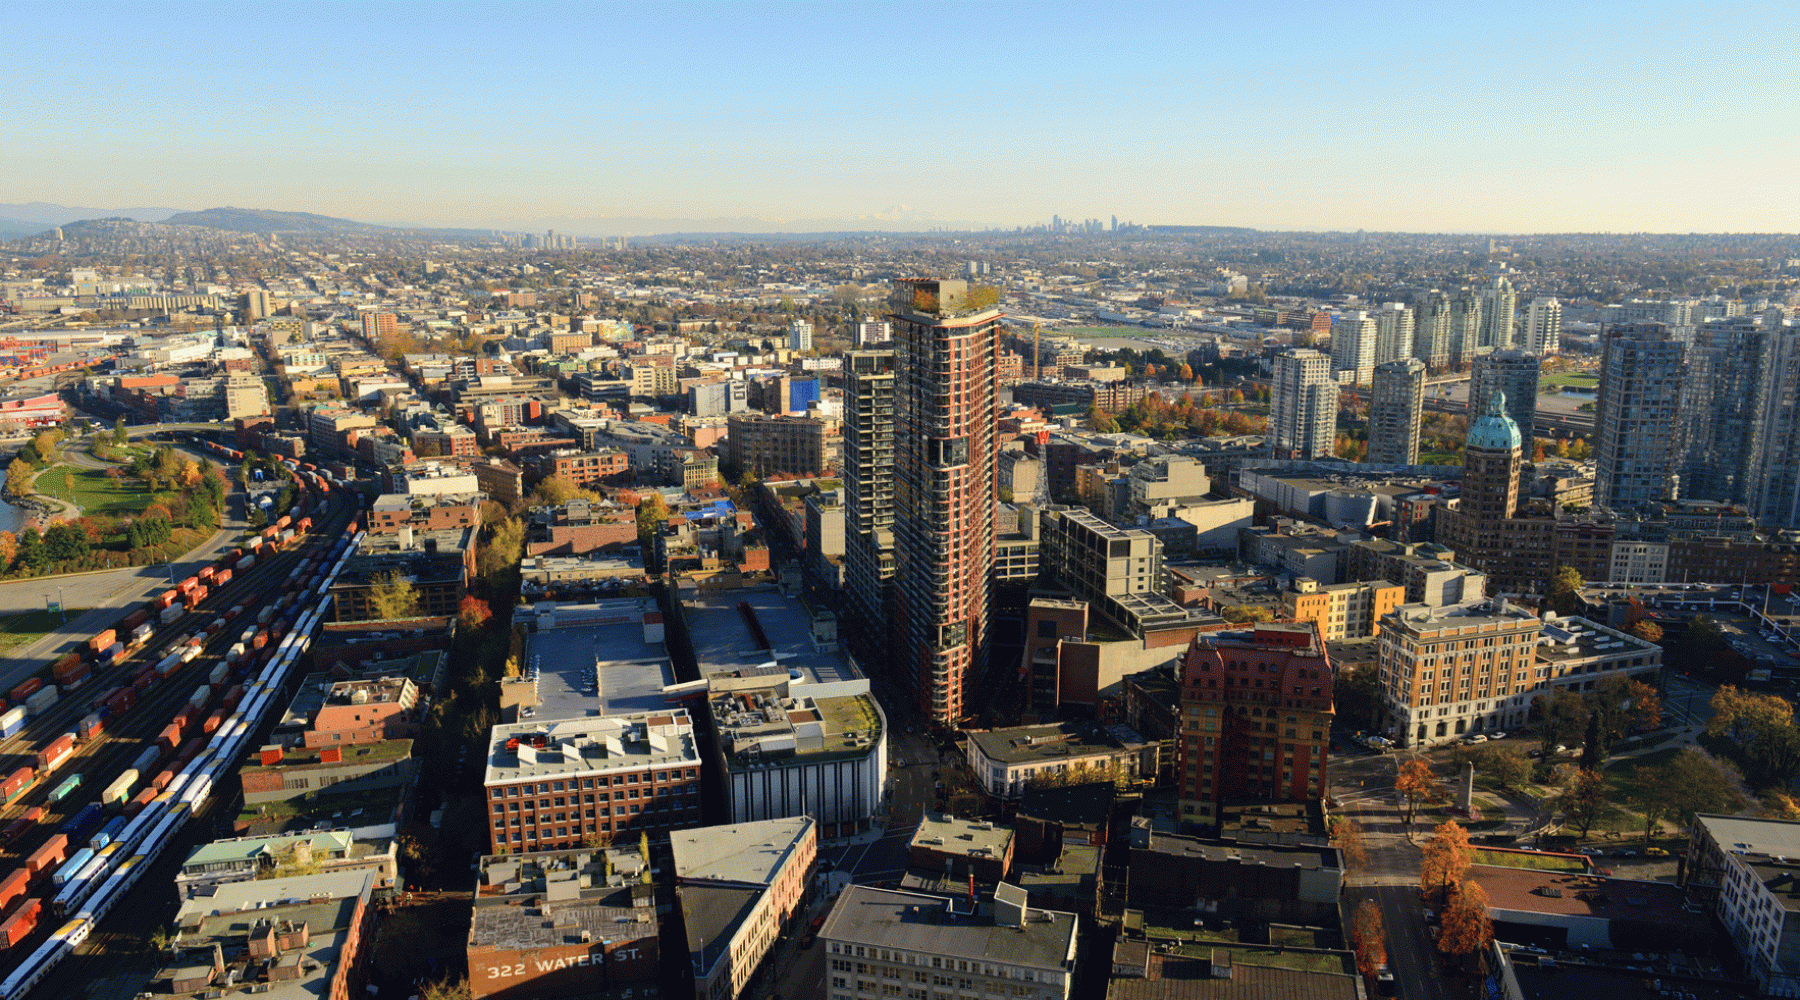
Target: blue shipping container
[(108, 833), (71, 866), (9, 730), (83, 823)]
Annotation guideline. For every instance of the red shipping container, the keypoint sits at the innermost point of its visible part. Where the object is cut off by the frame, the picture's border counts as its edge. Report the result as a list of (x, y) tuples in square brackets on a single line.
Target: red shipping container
[(74, 678), (205, 575), (90, 727), (170, 738), (55, 749), (233, 697), (223, 577), (68, 663), (20, 922), (188, 584), (261, 639), (17, 827), (14, 886), (139, 801), (143, 681), (102, 698), (54, 852), (103, 640), (121, 703), (25, 690), (213, 722), (133, 620), (18, 780), (189, 751), (165, 599), (162, 779)]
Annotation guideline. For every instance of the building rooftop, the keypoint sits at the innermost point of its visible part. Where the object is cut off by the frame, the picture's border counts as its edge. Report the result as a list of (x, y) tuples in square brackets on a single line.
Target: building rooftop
[(933, 926), (591, 746), (591, 875), (1088, 805), (712, 915), (740, 852), (1566, 638), (1181, 977), (948, 834), (553, 923), (605, 658), (1056, 741), (1573, 894), (1750, 837), (243, 850), (1468, 614), (726, 642), (1295, 853)]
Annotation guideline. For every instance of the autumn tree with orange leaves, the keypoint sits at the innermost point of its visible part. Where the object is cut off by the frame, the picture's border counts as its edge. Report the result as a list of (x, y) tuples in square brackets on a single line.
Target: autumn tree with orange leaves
[(1418, 784), (1466, 925), (1369, 938), (1446, 860)]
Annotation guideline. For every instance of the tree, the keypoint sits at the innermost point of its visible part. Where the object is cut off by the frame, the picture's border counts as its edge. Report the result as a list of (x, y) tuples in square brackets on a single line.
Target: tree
[(1186, 374), (1689, 783), (553, 491), (1347, 837), (391, 595), (1508, 765), (503, 548), (1369, 938), (1560, 715), (1418, 784), (1739, 714), (1648, 631), (1466, 926), (445, 989), (1446, 859), (652, 511), (1565, 590), (1780, 805), (1622, 704), (473, 612), (1593, 744), (121, 435), (1582, 796), (9, 547)]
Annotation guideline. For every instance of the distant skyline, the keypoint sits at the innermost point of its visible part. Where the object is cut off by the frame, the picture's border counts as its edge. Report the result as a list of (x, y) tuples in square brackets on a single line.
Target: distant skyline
[(597, 119)]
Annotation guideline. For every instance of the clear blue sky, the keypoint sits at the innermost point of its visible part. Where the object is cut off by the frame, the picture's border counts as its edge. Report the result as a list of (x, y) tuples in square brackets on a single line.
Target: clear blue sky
[(1434, 117)]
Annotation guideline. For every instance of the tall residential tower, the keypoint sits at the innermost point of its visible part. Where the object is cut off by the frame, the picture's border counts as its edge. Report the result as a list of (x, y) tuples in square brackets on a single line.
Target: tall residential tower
[(944, 488), (1302, 406), (1397, 404)]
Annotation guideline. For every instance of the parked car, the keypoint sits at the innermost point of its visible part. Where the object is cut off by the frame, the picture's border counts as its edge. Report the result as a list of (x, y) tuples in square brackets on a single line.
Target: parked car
[(1655, 852), (1475, 738), (1559, 748), (1624, 852), (1496, 736), (1534, 753)]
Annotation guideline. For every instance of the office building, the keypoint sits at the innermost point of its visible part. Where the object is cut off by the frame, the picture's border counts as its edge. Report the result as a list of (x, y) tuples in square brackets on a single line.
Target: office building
[(376, 325), (1542, 334), (868, 429), (1514, 373), (1456, 669), (1498, 303), (1006, 761), (1775, 478), (545, 781), (1637, 417), (1353, 348), (777, 447), (740, 887), (296, 938), (800, 335), (1745, 870), (1397, 404), (878, 940), (944, 471), (1257, 711), (1303, 405), (1393, 332), (1431, 330)]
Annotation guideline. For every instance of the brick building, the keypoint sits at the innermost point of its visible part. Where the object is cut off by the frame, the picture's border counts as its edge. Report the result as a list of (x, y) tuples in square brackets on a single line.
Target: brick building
[(1256, 713)]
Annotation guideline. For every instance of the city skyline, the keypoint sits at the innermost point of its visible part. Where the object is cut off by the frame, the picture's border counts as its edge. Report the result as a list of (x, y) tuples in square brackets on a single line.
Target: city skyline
[(612, 121)]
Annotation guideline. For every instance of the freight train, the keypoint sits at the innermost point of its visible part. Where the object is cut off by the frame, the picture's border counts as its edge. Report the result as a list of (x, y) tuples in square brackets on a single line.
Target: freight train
[(87, 891)]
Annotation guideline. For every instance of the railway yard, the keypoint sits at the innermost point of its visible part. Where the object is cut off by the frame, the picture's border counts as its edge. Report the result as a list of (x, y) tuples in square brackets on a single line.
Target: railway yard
[(122, 750)]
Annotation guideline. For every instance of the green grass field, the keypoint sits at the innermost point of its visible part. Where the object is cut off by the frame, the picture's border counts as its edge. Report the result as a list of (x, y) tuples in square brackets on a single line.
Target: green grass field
[(94, 492), (20, 629), (1538, 862), (1575, 379)]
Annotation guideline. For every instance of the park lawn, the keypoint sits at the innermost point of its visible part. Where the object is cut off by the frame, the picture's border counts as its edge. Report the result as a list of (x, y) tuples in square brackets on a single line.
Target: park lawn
[(1645, 741), (1440, 458), (1538, 862), (20, 629), (1620, 785), (95, 492), (1569, 378)]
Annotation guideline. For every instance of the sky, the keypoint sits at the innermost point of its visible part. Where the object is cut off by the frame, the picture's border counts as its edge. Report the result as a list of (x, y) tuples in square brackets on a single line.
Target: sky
[(1316, 116)]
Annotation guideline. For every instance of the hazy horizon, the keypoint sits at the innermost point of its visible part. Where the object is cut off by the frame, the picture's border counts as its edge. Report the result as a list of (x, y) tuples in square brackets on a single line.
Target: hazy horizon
[(1308, 117)]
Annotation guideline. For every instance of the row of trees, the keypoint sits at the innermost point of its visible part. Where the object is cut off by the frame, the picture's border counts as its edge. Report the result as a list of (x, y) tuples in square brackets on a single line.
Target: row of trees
[(1157, 417)]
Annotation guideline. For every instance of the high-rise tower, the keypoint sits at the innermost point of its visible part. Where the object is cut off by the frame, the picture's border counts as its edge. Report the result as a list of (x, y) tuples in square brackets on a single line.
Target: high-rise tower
[(1353, 348), (1722, 401), (868, 429), (1543, 327), (1498, 303), (1465, 326), (1431, 330), (1637, 417), (1397, 403), (944, 488), (1393, 332), (1302, 405), (1514, 373)]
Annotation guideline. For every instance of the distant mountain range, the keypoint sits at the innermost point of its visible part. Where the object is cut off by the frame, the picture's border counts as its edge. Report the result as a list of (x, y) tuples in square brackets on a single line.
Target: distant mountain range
[(30, 219)]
